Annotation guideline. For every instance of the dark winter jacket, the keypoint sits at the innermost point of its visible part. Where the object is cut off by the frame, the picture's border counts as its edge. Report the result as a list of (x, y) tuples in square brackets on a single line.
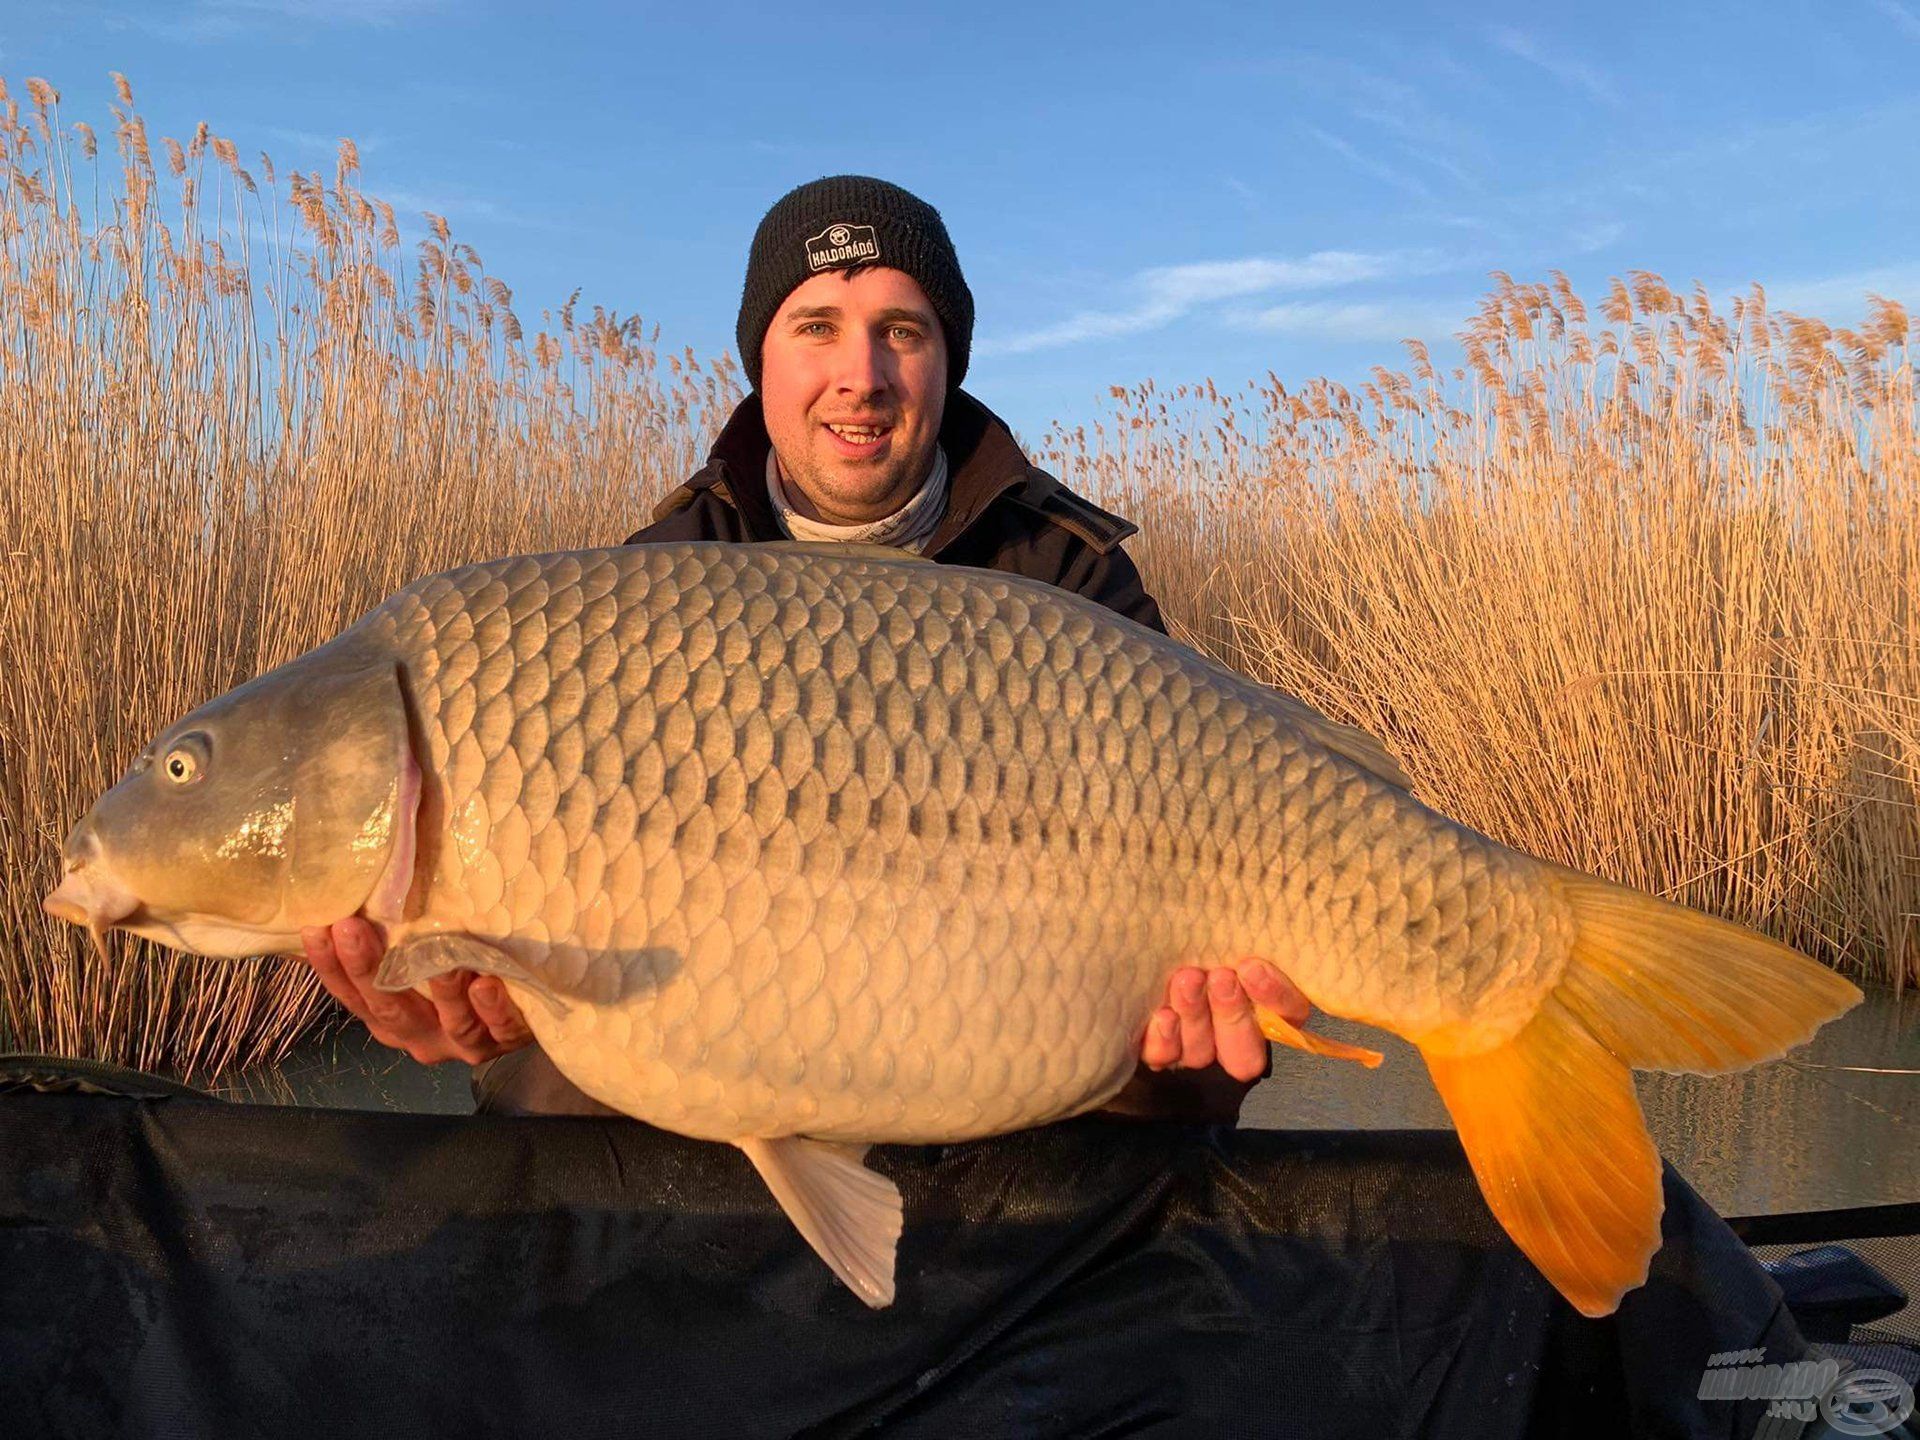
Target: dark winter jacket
[(1003, 513)]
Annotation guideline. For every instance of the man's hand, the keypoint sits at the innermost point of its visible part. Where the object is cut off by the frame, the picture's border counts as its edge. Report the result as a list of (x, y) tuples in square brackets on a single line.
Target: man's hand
[(1208, 1017), (470, 1018)]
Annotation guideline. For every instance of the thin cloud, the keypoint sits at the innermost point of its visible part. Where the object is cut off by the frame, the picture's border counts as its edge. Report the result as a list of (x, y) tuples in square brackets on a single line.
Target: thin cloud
[(1598, 236), (1363, 320), (462, 207), (211, 21), (345, 12), (1400, 111), (1569, 72), (1370, 165), (316, 141), (1844, 296), (1167, 293), (1240, 187), (1903, 16)]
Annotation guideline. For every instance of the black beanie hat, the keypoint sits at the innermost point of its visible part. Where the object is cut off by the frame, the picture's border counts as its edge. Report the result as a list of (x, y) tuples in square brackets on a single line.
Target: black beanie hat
[(836, 223)]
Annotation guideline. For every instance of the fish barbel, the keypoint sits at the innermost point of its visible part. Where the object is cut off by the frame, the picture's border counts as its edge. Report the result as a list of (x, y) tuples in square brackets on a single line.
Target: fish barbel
[(802, 847)]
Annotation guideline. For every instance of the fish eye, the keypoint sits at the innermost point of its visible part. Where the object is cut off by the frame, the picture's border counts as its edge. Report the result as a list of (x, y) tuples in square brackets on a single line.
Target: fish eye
[(186, 760)]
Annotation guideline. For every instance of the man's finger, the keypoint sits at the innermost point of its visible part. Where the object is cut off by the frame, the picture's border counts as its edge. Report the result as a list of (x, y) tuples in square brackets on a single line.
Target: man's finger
[(401, 1019), (358, 946), (325, 961), (1161, 1048), (467, 1032), (1237, 1038), (1189, 994), (1269, 987), (498, 1012)]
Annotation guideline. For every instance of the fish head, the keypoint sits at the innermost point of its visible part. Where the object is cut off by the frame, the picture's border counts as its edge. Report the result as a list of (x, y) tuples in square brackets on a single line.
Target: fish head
[(287, 802)]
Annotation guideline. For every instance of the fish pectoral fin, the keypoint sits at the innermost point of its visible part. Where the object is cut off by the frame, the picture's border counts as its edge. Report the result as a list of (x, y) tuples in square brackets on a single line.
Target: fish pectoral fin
[(1278, 1029), (1553, 1130), (848, 1213), (419, 959)]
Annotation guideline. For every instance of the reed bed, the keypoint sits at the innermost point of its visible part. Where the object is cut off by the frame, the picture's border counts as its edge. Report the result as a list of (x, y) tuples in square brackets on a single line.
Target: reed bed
[(1634, 591), (1636, 595), (235, 413)]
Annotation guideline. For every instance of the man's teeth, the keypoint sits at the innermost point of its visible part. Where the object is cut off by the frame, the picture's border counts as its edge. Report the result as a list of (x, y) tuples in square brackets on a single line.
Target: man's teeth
[(859, 432)]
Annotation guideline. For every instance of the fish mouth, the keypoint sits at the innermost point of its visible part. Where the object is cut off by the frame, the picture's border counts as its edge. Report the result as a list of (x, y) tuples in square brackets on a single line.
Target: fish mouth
[(90, 896)]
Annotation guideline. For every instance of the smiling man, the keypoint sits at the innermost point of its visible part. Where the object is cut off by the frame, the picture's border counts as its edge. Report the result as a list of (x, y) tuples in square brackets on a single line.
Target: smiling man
[(855, 329)]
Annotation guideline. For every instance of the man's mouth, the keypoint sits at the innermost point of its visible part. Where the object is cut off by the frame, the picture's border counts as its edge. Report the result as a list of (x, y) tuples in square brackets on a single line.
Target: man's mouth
[(858, 439)]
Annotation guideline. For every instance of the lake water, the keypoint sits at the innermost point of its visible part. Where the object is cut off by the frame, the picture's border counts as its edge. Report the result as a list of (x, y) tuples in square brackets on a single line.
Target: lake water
[(1818, 1130)]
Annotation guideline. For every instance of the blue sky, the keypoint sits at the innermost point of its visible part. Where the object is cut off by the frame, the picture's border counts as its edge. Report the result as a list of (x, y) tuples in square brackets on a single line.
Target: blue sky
[(1170, 190)]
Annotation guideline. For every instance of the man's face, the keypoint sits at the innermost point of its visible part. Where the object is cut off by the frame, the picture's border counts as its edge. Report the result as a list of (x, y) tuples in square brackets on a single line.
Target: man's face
[(861, 352)]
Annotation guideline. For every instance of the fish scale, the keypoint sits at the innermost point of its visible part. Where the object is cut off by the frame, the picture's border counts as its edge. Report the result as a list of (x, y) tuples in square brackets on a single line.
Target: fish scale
[(823, 748), (804, 846)]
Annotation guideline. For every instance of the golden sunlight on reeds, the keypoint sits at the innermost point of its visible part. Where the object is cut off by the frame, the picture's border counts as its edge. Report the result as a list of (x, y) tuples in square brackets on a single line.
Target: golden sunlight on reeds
[(1636, 595), (234, 416)]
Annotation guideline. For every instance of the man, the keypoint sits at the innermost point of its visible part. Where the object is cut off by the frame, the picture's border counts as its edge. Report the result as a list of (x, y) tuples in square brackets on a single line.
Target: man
[(855, 328)]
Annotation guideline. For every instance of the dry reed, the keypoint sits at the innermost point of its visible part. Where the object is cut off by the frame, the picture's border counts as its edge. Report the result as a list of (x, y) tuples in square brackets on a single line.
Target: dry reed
[(233, 416), (1638, 596)]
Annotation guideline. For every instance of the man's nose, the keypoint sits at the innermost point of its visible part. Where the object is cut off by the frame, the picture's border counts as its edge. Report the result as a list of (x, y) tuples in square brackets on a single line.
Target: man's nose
[(862, 364)]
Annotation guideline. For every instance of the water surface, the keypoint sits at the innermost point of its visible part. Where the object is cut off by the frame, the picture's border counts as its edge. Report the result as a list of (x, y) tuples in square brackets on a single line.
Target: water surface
[(1817, 1130)]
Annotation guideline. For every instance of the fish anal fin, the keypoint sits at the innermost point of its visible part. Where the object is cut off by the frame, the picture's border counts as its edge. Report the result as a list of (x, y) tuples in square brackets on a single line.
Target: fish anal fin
[(1553, 1130), (1278, 1029), (849, 1214), (421, 957)]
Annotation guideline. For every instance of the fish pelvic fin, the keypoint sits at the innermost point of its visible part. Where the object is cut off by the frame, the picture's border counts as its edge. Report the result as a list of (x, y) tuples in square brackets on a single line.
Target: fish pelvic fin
[(1549, 1119), (1554, 1133), (849, 1214)]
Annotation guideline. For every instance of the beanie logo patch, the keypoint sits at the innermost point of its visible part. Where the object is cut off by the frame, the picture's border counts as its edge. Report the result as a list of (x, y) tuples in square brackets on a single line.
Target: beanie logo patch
[(841, 245)]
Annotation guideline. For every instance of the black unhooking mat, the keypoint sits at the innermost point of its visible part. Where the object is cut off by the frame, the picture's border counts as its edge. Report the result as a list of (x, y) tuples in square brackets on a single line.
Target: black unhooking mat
[(171, 1267)]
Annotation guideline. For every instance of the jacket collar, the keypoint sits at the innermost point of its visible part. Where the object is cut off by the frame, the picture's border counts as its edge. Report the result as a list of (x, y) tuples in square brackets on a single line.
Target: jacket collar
[(983, 462)]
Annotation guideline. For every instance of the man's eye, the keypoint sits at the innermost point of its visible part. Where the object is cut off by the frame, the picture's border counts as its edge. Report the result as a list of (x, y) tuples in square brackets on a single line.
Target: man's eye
[(906, 332), (813, 325)]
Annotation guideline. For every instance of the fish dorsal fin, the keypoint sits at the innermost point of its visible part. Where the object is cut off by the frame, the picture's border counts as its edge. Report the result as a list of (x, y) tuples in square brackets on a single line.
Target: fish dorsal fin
[(851, 550), (848, 1213), (1348, 740), (419, 959)]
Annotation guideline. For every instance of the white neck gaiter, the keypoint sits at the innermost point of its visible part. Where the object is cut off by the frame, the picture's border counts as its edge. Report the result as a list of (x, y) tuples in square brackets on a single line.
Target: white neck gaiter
[(908, 528)]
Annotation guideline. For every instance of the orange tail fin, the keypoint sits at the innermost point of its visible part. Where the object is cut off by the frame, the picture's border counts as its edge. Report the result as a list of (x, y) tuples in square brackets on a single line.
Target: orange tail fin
[(1549, 1118)]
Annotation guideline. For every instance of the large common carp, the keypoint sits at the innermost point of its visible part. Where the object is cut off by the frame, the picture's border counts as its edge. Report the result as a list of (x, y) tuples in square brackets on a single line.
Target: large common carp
[(801, 847)]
